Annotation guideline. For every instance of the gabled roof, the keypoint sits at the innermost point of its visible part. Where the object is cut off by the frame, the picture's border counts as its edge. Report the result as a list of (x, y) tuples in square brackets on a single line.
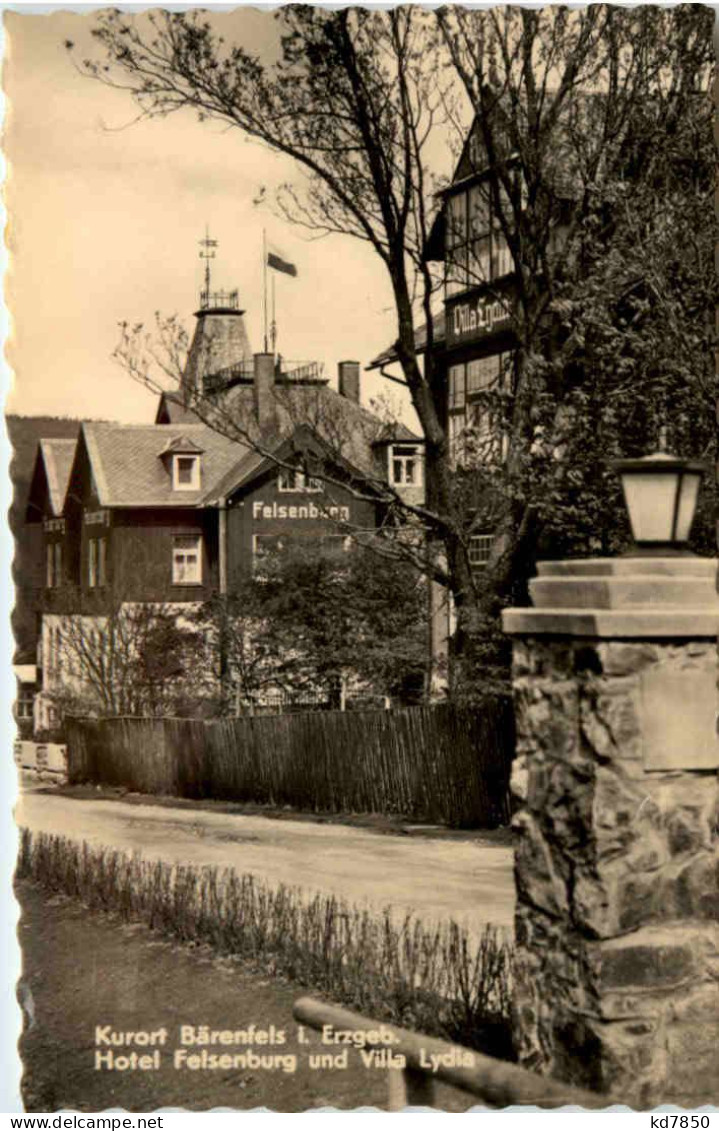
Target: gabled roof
[(51, 475), (255, 464), (246, 469), (349, 429), (128, 473), (183, 443), (58, 456), (25, 433)]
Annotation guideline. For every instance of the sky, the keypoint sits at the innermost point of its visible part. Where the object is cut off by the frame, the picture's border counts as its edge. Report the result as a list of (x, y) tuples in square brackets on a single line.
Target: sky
[(105, 215)]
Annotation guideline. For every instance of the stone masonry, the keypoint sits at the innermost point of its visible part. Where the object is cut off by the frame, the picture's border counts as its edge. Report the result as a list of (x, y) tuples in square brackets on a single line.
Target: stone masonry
[(617, 863)]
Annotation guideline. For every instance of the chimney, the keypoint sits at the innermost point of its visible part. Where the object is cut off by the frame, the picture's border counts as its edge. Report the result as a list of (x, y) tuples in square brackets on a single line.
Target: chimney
[(349, 380), (263, 387)]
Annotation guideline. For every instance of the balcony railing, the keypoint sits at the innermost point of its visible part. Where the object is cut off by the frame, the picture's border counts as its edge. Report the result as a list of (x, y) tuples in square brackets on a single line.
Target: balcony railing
[(285, 371), (218, 381), (209, 300), (496, 1083), (300, 370)]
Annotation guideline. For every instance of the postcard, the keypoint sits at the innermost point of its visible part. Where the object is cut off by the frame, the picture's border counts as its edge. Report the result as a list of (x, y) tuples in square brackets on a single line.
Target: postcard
[(362, 507)]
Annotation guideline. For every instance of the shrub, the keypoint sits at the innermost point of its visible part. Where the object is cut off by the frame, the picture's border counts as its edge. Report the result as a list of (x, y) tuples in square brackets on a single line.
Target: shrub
[(431, 978)]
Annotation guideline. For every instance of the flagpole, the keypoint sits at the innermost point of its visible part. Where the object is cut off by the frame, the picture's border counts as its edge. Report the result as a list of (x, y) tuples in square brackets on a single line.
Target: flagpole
[(264, 281), (273, 323)]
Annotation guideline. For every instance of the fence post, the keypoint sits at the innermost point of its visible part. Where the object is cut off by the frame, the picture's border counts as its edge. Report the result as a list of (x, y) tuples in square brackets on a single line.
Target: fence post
[(617, 920), (409, 1088)]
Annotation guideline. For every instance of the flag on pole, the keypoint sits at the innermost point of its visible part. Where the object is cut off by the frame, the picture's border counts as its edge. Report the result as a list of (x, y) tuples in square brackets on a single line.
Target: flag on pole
[(277, 261)]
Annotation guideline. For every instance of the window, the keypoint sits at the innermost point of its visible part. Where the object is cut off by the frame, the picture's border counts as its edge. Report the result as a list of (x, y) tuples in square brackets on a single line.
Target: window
[(456, 386), (479, 550), (293, 479), (187, 559), (53, 564), (476, 413), (266, 547), (186, 473), (479, 234), (457, 220), (25, 700), (456, 249), (405, 466), (335, 544), (476, 250), (53, 659), (102, 561), (92, 563), (481, 434), (264, 544), (97, 562), (502, 263), (482, 374), (46, 653)]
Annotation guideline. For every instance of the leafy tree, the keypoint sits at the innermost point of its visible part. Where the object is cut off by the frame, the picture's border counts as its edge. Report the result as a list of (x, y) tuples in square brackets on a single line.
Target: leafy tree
[(321, 621), (355, 99), (595, 126)]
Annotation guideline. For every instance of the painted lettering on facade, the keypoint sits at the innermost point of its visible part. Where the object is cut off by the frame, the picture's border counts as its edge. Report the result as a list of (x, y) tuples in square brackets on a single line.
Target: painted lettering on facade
[(54, 525), (476, 318), (301, 510), (97, 518)]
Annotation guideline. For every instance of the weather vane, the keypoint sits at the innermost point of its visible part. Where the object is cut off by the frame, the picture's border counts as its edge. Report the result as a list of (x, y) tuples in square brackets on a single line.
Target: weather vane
[(207, 253)]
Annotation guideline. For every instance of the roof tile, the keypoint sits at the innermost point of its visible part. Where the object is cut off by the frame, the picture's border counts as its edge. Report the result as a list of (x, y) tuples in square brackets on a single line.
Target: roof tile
[(128, 471)]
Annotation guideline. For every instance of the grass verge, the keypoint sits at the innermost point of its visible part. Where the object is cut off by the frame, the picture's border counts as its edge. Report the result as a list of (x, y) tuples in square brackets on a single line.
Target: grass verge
[(433, 979)]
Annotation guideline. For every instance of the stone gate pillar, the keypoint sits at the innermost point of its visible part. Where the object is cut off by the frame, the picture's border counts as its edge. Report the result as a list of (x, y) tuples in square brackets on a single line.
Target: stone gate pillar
[(617, 864)]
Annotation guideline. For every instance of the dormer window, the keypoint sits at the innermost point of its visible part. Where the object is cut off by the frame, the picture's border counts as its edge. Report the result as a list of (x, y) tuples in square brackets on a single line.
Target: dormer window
[(181, 457), (405, 466), (186, 472)]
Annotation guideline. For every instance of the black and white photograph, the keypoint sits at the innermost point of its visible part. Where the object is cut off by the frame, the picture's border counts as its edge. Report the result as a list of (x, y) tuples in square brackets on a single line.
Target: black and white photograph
[(361, 417)]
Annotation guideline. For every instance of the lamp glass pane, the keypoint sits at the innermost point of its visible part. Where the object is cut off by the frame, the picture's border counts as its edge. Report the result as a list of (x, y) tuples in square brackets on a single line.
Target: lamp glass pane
[(650, 502), (689, 491)]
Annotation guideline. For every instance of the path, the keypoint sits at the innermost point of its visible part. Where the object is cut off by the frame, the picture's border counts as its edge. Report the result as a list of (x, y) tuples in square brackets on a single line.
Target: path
[(435, 878)]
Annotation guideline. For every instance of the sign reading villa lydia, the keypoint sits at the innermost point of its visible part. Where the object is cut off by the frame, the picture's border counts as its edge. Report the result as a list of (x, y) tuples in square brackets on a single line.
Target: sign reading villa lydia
[(299, 510), (474, 318)]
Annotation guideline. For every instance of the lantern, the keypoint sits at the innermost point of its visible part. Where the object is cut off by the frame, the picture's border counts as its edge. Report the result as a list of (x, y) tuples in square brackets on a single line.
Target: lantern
[(660, 494)]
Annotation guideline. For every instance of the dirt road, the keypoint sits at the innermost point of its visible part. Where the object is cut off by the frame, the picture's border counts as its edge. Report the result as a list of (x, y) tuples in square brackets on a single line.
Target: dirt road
[(435, 878)]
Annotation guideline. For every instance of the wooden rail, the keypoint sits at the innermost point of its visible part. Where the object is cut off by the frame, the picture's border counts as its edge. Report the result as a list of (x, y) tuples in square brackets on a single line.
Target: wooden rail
[(495, 1082)]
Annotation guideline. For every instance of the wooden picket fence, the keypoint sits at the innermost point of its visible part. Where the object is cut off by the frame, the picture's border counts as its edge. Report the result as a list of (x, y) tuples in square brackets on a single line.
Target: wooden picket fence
[(444, 764)]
